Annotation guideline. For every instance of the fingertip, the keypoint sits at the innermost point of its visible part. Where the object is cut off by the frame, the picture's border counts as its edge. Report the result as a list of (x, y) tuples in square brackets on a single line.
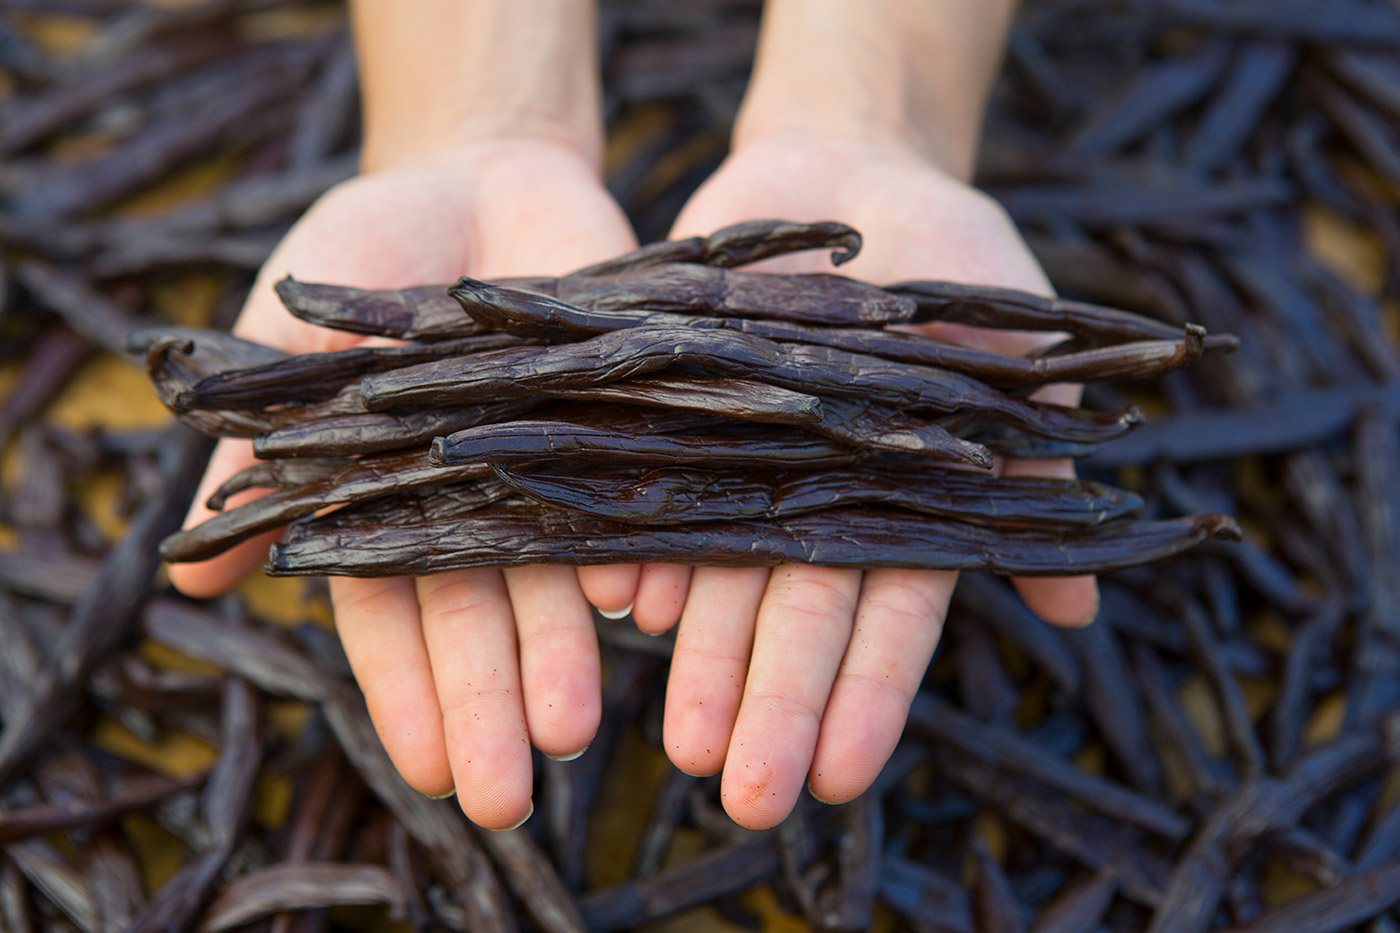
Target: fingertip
[(410, 727), (754, 805), (563, 714), (834, 790), (858, 734), (691, 758), (500, 815), (566, 738), (661, 594), (1070, 602), (652, 625), (610, 588), (423, 766), (520, 822)]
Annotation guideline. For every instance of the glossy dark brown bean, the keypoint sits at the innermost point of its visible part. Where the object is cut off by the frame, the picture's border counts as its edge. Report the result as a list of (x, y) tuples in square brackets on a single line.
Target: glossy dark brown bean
[(830, 300), (838, 538), (377, 432), (741, 399), (521, 372), (424, 313), (528, 441), (356, 481), (670, 495), (311, 377), (538, 315), (738, 245), (875, 426)]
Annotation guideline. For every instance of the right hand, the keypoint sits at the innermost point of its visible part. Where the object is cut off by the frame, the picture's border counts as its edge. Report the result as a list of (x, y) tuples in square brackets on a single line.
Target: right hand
[(462, 671)]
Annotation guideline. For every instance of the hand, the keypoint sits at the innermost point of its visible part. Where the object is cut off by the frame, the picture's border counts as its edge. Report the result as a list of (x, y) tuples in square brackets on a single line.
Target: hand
[(462, 671), (809, 671)]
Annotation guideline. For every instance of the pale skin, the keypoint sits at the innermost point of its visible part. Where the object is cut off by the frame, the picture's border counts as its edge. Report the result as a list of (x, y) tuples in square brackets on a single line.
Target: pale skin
[(484, 160)]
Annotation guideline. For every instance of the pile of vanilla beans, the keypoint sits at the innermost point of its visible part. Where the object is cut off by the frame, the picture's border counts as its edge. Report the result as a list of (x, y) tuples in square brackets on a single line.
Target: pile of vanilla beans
[(1217, 752), (668, 406)]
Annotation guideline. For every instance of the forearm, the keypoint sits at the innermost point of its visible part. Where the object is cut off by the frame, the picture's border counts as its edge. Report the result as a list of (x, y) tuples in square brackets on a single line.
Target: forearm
[(911, 71), (437, 74)]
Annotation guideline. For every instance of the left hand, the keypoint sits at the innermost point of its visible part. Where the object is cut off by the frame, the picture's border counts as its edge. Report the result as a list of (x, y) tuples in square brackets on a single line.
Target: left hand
[(804, 671)]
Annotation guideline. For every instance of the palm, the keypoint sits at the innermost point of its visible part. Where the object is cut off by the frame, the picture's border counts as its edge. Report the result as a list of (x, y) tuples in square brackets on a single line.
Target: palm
[(514, 653), (809, 671)]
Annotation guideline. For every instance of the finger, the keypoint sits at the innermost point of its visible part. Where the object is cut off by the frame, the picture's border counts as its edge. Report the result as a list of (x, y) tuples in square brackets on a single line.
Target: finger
[(470, 636), (378, 623), (559, 666), (804, 625), (709, 665), (661, 595), (610, 588), (211, 577), (899, 619), (1068, 601)]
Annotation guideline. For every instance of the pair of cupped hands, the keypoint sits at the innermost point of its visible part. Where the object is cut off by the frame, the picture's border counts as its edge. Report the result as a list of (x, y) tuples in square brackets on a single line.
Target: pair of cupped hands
[(781, 676)]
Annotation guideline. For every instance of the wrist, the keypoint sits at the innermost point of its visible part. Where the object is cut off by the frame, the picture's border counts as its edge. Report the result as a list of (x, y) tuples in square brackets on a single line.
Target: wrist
[(899, 74), (440, 77)]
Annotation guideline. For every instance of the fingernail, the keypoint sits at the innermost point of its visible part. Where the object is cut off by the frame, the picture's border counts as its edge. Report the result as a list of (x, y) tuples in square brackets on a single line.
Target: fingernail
[(450, 793), (522, 822), (617, 613), (567, 757), (818, 799)]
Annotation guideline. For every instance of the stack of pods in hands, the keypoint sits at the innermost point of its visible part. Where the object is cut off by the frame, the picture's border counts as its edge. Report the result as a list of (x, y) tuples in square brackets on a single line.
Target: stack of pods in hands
[(667, 405)]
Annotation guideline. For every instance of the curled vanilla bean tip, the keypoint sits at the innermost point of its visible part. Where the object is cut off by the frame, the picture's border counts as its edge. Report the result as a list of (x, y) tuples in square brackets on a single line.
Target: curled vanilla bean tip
[(1225, 343), (1221, 527)]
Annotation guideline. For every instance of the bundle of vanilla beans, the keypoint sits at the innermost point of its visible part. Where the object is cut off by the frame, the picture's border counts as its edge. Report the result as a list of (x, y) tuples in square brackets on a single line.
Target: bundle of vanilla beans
[(669, 406), (1216, 752)]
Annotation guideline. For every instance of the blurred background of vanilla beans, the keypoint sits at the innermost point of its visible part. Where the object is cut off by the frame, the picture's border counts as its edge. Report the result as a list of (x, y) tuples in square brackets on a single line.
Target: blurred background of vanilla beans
[(1218, 751)]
